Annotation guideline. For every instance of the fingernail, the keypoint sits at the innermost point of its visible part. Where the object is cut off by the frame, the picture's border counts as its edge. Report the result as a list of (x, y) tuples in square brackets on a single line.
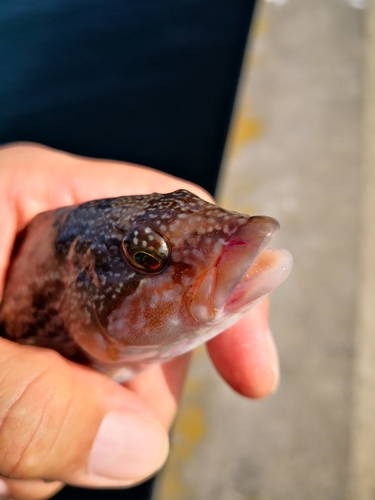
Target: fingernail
[(273, 359), (4, 490), (128, 446)]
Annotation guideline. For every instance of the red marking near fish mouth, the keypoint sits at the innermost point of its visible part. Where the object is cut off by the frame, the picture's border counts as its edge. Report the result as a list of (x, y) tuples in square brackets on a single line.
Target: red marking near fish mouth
[(235, 242), (244, 272)]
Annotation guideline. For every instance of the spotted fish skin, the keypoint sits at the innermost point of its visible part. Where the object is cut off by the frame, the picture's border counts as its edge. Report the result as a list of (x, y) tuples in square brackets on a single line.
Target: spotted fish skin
[(121, 282)]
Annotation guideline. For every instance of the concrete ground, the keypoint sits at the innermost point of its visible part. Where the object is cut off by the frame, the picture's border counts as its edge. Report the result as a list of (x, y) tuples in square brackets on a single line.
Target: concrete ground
[(298, 152)]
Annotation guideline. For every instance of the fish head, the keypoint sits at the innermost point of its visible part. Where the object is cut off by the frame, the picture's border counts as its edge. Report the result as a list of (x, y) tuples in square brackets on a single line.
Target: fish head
[(190, 270)]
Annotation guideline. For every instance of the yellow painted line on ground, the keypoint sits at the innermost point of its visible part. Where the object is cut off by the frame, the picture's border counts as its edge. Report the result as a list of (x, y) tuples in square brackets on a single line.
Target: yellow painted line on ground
[(245, 129)]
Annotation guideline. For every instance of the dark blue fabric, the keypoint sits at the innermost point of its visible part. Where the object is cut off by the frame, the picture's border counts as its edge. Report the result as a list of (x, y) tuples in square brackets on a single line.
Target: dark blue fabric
[(141, 492), (148, 81)]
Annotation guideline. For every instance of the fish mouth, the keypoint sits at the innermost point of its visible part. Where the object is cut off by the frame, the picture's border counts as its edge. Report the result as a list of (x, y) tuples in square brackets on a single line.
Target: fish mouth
[(245, 271)]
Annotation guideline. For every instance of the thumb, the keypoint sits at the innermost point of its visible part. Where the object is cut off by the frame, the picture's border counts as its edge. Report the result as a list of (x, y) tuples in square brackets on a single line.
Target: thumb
[(61, 421)]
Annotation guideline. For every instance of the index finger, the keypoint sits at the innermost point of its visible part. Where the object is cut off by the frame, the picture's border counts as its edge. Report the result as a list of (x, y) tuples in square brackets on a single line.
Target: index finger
[(35, 178), (245, 355)]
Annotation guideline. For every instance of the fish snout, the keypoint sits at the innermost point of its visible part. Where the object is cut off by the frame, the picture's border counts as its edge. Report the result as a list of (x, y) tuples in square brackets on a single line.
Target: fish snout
[(237, 255)]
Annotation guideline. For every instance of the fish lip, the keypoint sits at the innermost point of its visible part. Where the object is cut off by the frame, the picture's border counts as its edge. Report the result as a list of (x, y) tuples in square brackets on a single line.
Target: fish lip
[(239, 253), (269, 269)]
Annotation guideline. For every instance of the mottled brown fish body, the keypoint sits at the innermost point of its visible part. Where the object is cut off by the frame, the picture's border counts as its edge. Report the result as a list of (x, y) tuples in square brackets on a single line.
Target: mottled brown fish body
[(126, 281), (30, 309)]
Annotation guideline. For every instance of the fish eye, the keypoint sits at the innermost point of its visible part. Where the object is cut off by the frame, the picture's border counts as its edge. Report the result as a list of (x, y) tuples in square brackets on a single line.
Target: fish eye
[(146, 250)]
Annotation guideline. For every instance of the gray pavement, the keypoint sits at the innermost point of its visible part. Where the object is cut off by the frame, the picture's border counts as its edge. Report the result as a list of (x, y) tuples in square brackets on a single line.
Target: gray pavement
[(296, 153), (362, 450)]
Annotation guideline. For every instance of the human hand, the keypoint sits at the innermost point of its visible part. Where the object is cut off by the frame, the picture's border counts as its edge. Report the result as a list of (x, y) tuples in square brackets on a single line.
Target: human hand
[(65, 423)]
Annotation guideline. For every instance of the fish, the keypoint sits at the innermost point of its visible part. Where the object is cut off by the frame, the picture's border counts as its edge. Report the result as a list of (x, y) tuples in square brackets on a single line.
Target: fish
[(120, 283)]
